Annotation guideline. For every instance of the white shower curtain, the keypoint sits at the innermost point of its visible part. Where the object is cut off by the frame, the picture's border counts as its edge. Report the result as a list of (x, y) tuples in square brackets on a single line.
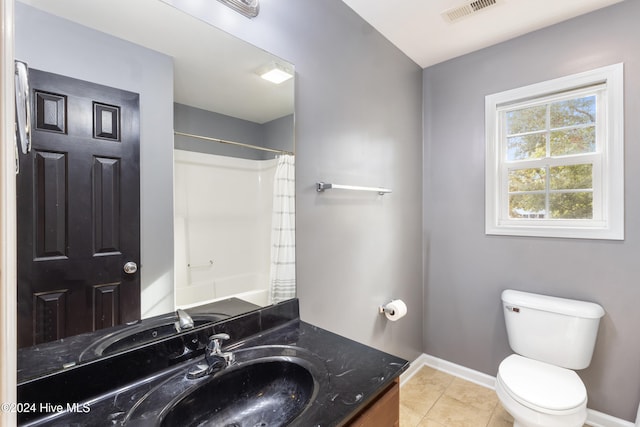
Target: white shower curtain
[(283, 232)]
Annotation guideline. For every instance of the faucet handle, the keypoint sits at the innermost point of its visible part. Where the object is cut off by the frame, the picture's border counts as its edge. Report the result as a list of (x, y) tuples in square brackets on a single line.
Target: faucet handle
[(221, 336), (184, 320), (214, 350), (214, 343)]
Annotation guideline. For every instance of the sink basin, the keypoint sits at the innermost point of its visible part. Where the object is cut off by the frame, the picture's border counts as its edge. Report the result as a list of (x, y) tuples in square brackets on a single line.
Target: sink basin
[(143, 332), (266, 386), (267, 393)]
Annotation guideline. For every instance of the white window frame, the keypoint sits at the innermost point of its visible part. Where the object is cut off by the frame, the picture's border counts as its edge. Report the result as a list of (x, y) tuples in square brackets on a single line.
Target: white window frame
[(608, 160)]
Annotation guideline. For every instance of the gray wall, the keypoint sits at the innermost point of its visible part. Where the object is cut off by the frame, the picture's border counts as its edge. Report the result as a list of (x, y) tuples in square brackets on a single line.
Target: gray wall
[(358, 121), (466, 270), (279, 133), (276, 134), (126, 66)]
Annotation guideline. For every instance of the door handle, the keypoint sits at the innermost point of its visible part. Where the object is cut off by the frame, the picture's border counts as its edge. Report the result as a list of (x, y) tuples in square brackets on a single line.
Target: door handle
[(130, 267), (23, 107)]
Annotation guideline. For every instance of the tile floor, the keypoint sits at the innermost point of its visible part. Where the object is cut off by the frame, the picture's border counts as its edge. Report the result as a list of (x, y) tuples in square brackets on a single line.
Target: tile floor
[(432, 398)]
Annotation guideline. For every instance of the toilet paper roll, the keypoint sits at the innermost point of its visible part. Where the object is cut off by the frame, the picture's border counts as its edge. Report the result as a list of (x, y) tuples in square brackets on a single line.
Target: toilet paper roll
[(395, 310)]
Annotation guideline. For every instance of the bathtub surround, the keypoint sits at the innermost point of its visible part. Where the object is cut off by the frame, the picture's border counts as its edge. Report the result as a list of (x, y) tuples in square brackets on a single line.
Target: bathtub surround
[(225, 206), (467, 270), (222, 231)]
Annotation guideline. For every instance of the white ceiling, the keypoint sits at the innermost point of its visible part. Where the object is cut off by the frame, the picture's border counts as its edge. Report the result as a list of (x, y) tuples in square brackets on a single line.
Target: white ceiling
[(210, 65), (417, 28)]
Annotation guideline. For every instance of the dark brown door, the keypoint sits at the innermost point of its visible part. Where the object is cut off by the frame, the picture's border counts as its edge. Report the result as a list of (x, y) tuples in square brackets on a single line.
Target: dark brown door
[(78, 210)]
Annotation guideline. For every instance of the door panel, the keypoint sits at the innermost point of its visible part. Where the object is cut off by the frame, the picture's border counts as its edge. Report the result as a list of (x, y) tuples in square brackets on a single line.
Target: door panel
[(50, 176), (106, 205), (78, 210), (50, 314)]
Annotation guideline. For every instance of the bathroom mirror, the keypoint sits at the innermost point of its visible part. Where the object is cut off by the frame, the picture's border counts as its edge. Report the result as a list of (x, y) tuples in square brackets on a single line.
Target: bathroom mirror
[(216, 93)]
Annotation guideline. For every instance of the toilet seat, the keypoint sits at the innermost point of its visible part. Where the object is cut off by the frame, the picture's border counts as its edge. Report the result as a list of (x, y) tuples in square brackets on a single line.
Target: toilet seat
[(540, 386)]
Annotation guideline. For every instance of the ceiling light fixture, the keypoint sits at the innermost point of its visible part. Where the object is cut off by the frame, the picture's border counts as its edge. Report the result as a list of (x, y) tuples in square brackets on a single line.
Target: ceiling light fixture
[(275, 73), (248, 8)]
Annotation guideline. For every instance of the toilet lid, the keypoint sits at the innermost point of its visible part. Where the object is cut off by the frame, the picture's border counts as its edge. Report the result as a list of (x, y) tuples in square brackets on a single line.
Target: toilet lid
[(540, 385)]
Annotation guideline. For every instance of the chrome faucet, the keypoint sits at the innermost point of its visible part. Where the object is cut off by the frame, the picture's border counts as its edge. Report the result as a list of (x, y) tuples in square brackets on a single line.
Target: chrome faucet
[(214, 350), (184, 320), (216, 359)]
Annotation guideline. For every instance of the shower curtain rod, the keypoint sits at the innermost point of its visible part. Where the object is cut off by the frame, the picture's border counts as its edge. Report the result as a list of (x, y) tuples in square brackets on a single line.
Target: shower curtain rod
[(224, 141)]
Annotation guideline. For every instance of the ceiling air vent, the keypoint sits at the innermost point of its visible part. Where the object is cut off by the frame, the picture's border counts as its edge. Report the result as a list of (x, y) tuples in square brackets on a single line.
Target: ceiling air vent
[(469, 8), (249, 8)]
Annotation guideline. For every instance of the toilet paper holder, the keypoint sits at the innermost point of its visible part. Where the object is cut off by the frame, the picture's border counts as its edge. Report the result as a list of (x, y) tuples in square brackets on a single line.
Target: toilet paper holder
[(386, 309), (393, 310)]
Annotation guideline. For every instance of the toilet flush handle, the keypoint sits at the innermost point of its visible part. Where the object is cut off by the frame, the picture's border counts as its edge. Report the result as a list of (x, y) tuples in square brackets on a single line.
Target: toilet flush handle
[(513, 309)]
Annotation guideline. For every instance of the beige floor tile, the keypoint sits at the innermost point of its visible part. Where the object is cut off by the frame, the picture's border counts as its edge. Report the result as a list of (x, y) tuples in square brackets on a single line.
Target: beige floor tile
[(409, 417), (454, 413), (430, 376), (500, 418), (427, 423), (435, 399), (498, 422), (422, 391), (472, 394), (419, 400)]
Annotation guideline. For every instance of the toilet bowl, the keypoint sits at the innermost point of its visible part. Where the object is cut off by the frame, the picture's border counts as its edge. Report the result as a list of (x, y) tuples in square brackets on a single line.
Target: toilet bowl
[(551, 337), (538, 394)]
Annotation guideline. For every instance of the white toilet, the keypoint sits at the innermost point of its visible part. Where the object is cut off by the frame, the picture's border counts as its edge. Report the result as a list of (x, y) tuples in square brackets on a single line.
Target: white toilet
[(551, 336)]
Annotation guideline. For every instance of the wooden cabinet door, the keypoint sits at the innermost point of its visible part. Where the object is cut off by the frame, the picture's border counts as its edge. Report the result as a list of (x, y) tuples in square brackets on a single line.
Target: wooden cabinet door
[(383, 412)]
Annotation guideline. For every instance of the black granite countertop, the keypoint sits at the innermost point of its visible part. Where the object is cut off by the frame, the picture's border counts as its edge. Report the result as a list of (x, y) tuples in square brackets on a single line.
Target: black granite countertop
[(54, 356), (348, 375)]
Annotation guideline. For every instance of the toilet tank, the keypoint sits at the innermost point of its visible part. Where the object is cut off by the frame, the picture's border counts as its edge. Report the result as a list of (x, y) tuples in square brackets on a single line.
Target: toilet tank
[(558, 331)]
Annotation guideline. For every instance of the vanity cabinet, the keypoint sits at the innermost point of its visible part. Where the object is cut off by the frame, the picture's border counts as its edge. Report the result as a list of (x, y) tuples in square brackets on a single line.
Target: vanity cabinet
[(384, 411)]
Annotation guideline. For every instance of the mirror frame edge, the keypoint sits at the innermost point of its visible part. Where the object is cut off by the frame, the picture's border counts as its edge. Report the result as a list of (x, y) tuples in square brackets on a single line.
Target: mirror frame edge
[(8, 268)]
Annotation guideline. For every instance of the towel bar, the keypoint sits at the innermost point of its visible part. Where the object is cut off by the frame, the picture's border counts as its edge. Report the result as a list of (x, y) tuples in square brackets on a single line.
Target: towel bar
[(321, 186)]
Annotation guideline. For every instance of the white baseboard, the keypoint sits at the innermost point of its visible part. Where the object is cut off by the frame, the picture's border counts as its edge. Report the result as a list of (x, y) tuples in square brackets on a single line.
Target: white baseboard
[(594, 418), (599, 419)]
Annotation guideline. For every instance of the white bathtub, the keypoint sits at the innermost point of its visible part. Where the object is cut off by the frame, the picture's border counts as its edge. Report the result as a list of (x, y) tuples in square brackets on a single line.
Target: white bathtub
[(260, 297), (249, 287)]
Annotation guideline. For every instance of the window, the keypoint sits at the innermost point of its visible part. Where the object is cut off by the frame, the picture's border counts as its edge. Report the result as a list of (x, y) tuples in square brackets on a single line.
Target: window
[(554, 158)]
